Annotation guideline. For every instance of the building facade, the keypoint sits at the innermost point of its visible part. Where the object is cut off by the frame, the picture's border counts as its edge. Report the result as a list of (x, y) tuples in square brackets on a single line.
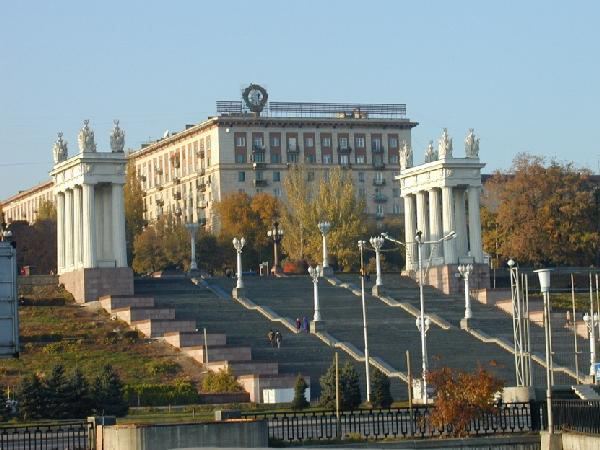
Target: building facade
[(25, 204)]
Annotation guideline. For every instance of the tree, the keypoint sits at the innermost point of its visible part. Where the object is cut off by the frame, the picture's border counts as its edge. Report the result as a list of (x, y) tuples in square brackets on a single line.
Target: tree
[(221, 381), (542, 214), (327, 382), (300, 387), (461, 397), (32, 398), (134, 209), (381, 396), (108, 393), (4, 409), (57, 393), (349, 387), (46, 211), (79, 397), (36, 243)]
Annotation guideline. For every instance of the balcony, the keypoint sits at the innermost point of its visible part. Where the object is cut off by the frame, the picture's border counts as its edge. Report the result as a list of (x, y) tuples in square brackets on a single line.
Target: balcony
[(377, 148), (260, 183), (379, 215), (380, 198), (344, 150), (258, 148), (258, 165), (202, 187), (378, 181), (293, 149), (177, 195), (346, 165), (378, 164)]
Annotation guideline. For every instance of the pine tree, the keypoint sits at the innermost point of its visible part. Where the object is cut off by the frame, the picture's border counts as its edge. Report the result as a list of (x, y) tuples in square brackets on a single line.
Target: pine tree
[(327, 382), (32, 398), (4, 409), (79, 395), (381, 396), (108, 392), (349, 387), (299, 401), (57, 393)]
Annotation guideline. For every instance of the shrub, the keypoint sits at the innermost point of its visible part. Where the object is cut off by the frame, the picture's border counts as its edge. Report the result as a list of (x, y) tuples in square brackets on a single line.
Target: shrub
[(4, 409), (180, 393), (32, 398), (107, 393), (163, 368), (299, 401), (221, 381), (350, 396), (381, 396), (132, 336)]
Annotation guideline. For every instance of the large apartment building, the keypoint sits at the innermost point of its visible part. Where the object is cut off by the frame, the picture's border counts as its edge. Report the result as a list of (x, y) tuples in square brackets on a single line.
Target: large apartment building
[(25, 204), (250, 145)]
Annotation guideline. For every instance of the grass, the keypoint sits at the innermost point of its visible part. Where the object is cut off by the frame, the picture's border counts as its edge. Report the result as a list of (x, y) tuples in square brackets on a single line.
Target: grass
[(56, 330)]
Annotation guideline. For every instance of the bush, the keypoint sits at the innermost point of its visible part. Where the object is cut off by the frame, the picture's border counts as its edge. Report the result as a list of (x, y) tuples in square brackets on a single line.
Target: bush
[(180, 393), (221, 381), (163, 368), (4, 409), (107, 393), (381, 396), (299, 401), (32, 398), (350, 396)]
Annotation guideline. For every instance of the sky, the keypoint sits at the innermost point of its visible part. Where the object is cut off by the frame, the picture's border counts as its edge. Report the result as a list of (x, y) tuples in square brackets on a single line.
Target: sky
[(524, 74)]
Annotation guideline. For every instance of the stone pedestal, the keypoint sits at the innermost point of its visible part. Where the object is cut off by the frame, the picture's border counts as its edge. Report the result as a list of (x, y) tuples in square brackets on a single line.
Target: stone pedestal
[(238, 292), (317, 326), (518, 394), (377, 290), (88, 285), (465, 323), (444, 278)]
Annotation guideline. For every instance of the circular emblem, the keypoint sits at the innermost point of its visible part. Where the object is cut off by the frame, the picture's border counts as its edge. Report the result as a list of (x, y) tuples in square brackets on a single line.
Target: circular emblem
[(255, 97)]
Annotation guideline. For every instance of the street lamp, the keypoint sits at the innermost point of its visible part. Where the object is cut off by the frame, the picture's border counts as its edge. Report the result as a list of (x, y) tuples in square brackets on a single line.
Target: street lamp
[(465, 270), (324, 228), (276, 234), (315, 273), (591, 320), (377, 243), (192, 228), (544, 277), (361, 246), (422, 321), (238, 244)]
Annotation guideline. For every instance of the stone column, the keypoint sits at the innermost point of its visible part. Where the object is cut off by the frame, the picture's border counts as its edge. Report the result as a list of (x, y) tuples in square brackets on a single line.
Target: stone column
[(475, 224), (410, 230), (448, 225), (118, 226), (77, 228), (435, 222), (89, 227), (60, 231), (422, 222), (69, 230), (460, 222), (107, 225)]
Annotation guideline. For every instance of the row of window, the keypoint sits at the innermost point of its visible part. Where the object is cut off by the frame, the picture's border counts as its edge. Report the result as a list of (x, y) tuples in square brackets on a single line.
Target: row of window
[(292, 157), (326, 139)]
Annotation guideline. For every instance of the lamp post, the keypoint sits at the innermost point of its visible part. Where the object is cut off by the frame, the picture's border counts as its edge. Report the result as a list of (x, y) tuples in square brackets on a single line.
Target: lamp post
[(324, 228), (276, 234), (361, 246), (377, 243), (5, 233), (465, 270), (192, 228), (591, 321), (315, 273), (422, 321), (238, 244), (544, 277)]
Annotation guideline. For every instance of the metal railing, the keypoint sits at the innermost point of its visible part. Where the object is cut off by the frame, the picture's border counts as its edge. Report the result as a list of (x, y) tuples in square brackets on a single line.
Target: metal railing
[(394, 422), (577, 415), (63, 435)]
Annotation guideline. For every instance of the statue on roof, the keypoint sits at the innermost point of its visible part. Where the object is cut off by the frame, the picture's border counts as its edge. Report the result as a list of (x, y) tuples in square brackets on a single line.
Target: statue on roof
[(59, 149), (445, 145), (406, 156), (85, 138), (431, 153), (117, 138), (471, 145)]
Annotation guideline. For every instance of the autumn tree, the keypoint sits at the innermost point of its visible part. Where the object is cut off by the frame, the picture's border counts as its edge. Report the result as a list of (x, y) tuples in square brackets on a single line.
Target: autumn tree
[(541, 214), (46, 211), (461, 397), (134, 209)]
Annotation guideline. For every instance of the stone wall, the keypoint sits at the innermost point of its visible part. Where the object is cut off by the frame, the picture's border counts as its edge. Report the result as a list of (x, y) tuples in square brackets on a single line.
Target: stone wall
[(444, 278), (88, 285)]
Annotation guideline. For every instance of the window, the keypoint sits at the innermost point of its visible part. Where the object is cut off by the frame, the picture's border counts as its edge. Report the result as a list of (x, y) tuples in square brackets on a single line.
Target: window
[(309, 142), (292, 144), (362, 192), (343, 142), (361, 177), (394, 159), (310, 159), (260, 175), (277, 192), (275, 141), (360, 159), (344, 159), (326, 142), (393, 142), (240, 158), (240, 141), (241, 176), (379, 209), (396, 208), (311, 176), (396, 192), (376, 143), (379, 176), (276, 176), (258, 142), (259, 157), (360, 142), (327, 159), (292, 157), (275, 158)]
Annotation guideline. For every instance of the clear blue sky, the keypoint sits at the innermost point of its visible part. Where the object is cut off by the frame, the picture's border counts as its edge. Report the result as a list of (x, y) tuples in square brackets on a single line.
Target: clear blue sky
[(525, 75)]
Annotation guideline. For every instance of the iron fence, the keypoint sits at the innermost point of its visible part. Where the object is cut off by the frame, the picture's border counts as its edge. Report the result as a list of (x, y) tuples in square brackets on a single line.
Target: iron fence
[(72, 435), (394, 422), (577, 415)]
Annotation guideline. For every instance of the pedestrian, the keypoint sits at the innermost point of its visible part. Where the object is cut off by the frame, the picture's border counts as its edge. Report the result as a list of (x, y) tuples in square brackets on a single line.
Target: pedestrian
[(298, 324), (305, 323), (271, 337), (278, 338)]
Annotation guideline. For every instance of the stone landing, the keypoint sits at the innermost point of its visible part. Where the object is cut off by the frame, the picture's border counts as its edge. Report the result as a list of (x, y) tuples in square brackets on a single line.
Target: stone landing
[(444, 278), (88, 285)]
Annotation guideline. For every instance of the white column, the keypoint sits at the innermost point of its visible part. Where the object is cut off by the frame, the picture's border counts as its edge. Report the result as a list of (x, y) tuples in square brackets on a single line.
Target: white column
[(460, 222), (99, 224), (107, 225), (448, 225), (60, 231), (422, 222), (68, 230), (118, 226), (325, 256), (475, 224), (410, 230), (77, 229), (435, 222), (89, 226)]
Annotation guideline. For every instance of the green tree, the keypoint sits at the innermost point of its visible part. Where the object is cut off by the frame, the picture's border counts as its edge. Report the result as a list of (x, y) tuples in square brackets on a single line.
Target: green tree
[(4, 410), (381, 396), (57, 393), (327, 382), (79, 395), (349, 387), (300, 387), (134, 209), (221, 381), (108, 393), (32, 398)]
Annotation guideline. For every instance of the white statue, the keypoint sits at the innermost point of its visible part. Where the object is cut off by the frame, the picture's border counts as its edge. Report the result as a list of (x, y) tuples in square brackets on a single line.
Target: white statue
[(117, 138), (445, 145), (431, 154), (59, 149), (471, 145), (406, 156), (85, 138)]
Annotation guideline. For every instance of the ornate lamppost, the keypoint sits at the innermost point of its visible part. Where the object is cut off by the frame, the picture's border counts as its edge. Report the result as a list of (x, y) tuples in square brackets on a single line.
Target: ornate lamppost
[(361, 246), (377, 243), (238, 244), (465, 270), (192, 228), (315, 273), (324, 228), (276, 234), (591, 320)]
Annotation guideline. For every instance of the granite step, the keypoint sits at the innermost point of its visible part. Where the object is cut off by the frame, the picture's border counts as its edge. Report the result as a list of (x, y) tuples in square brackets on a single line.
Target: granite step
[(113, 302), (239, 368), (219, 353), (135, 314), (182, 340), (157, 328)]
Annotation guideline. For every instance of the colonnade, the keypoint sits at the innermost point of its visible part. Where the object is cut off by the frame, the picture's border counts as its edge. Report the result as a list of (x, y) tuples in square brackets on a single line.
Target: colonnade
[(90, 226), (437, 211)]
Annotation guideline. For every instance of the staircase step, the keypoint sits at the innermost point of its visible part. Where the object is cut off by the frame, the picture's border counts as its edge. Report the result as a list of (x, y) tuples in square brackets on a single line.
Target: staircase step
[(113, 302), (194, 339), (157, 328), (220, 353), (239, 368), (134, 314)]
